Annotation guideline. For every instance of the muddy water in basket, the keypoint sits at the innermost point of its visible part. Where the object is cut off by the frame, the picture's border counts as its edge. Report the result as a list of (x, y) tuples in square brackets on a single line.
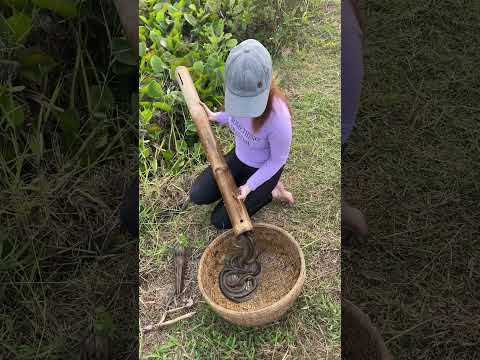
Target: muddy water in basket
[(239, 279)]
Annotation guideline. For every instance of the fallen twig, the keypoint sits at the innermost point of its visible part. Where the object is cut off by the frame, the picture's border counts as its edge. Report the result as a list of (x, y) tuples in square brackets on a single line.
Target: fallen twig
[(150, 302), (189, 304), (163, 324)]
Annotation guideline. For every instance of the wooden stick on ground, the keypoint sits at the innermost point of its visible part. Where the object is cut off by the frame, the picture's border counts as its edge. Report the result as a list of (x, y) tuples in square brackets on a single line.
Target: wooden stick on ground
[(163, 324), (180, 262), (189, 304)]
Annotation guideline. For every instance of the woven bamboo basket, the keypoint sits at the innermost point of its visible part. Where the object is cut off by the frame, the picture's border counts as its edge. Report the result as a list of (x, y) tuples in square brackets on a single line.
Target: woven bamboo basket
[(360, 338), (269, 238)]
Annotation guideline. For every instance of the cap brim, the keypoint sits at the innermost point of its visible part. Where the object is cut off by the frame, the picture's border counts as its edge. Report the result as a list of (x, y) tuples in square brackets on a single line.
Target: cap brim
[(245, 106)]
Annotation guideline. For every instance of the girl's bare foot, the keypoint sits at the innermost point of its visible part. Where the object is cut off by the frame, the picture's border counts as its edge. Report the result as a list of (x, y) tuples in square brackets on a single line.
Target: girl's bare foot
[(282, 195)]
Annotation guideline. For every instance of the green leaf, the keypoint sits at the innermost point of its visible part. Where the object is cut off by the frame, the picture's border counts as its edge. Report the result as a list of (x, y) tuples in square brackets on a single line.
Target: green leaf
[(198, 66), (122, 51), (155, 36), (192, 7), (99, 115), (154, 164), (32, 74), (142, 49), (20, 26), (167, 155), (101, 97), (65, 8), (170, 43), (232, 43), (190, 19), (190, 128), (157, 64), (160, 17), (219, 25), (154, 130), (182, 146), (183, 240), (237, 10), (35, 64), (19, 4), (146, 115), (145, 152), (32, 57), (168, 57), (163, 42), (160, 6), (69, 120), (154, 89), (163, 106), (197, 148)]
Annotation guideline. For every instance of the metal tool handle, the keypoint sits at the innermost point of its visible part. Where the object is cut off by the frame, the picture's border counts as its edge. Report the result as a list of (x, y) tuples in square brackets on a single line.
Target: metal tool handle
[(235, 208)]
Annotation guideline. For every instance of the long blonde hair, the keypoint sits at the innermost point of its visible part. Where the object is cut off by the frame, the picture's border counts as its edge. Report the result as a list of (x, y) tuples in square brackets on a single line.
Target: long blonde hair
[(275, 92)]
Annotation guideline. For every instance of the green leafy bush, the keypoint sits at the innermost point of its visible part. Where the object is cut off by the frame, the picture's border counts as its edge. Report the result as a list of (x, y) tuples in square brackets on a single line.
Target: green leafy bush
[(197, 34), (55, 95), (238, 15), (180, 33), (67, 127)]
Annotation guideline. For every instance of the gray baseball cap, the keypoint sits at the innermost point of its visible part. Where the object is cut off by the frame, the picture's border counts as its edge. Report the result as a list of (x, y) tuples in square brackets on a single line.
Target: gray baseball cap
[(248, 77)]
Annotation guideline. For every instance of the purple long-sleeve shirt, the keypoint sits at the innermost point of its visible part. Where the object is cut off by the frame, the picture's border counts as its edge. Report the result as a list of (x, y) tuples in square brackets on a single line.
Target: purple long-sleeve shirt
[(352, 68), (267, 149)]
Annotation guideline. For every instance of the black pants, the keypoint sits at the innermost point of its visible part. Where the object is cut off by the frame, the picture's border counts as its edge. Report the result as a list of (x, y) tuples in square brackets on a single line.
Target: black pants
[(205, 190)]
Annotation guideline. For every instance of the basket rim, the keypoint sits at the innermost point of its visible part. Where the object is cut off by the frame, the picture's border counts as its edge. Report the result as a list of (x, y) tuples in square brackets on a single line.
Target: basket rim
[(363, 317), (294, 291)]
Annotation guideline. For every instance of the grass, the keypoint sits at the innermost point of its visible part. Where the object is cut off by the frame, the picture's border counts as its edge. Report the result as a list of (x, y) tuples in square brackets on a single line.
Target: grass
[(410, 169), (62, 254), (310, 73)]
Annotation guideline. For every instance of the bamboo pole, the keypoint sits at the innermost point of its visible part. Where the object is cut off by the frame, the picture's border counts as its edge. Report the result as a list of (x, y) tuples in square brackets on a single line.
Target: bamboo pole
[(235, 208)]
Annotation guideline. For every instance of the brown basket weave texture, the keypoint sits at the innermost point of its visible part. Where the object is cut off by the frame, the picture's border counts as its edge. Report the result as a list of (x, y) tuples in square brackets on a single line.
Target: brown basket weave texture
[(360, 338), (267, 236)]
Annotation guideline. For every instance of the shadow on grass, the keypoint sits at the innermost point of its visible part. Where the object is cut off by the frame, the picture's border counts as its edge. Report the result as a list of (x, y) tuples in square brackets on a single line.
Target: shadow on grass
[(409, 167)]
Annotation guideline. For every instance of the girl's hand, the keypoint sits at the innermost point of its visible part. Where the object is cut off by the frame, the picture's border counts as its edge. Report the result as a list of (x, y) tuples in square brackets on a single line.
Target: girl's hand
[(244, 191), (210, 114)]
